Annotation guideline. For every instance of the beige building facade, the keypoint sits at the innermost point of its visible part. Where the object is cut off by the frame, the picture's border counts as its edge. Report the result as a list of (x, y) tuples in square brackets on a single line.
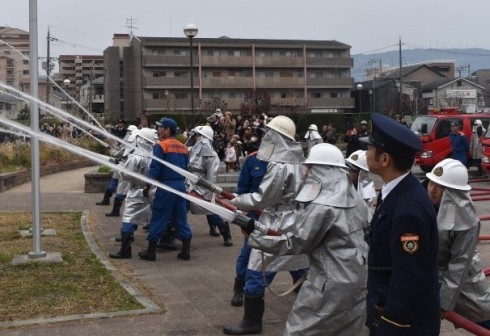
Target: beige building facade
[(152, 75)]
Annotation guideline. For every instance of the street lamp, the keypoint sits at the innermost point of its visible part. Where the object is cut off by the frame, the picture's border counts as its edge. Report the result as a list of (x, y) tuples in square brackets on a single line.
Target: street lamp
[(191, 31), (371, 100), (359, 88), (66, 83)]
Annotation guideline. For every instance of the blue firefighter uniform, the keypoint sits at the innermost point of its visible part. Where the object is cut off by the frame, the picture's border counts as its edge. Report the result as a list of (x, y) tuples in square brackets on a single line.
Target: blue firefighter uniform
[(167, 205), (253, 171)]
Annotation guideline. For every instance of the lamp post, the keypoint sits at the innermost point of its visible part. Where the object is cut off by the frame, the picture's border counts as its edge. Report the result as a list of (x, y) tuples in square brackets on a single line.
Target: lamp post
[(359, 88), (66, 83), (371, 100), (191, 31)]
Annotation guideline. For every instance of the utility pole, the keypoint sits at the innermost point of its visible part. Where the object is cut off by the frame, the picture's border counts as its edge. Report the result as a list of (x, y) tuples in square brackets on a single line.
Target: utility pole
[(48, 68), (90, 87), (401, 75)]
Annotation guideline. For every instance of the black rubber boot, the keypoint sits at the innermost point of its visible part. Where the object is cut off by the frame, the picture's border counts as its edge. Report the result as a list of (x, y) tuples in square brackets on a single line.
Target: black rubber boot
[(252, 318), (125, 251), (149, 254), (115, 209), (225, 232), (185, 254), (237, 299), (119, 239), (107, 198), (167, 242), (212, 230)]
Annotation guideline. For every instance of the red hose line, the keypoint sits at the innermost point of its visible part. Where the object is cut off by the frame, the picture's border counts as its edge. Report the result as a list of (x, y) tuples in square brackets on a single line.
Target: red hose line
[(466, 324)]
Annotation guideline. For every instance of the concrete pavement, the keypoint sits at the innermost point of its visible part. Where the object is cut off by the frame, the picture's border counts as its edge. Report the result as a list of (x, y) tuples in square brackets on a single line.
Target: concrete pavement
[(194, 296)]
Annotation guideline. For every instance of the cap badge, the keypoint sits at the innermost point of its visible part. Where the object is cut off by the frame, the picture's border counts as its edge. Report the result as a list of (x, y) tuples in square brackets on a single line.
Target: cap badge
[(410, 242), (438, 171), (355, 157)]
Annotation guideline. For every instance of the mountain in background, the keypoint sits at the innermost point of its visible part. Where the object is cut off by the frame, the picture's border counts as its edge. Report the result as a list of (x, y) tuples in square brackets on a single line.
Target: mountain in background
[(469, 59)]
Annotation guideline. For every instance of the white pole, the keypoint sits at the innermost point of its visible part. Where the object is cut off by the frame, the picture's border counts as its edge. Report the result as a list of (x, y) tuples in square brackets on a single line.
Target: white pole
[(35, 183)]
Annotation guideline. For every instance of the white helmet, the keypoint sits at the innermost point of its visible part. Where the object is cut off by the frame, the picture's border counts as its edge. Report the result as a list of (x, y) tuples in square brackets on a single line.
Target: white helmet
[(477, 122), (132, 128), (205, 131), (283, 125), (313, 127), (149, 134), (326, 154), (358, 159), (450, 173)]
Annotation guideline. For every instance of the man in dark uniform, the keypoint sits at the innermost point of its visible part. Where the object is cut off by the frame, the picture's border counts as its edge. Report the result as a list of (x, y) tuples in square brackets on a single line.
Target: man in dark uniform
[(120, 129), (403, 291)]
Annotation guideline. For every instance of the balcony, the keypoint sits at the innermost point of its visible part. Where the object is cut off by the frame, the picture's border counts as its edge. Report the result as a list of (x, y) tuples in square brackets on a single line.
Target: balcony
[(161, 60), (331, 102), (279, 61), (328, 62), (345, 82), (227, 83), (281, 82), (169, 105), (167, 82), (226, 61)]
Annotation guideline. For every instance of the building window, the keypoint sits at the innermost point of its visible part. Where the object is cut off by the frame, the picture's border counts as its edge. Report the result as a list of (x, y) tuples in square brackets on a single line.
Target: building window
[(459, 83), (6, 52), (180, 74), (285, 74), (334, 95), (10, 82), (25, 72), (217, 74), (25, 53), (316, 94), (231, 74), (159, 74), (25, 61)]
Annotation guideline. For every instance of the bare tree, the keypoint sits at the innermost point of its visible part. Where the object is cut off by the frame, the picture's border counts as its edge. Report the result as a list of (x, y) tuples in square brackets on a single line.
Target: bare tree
[(256, 101)]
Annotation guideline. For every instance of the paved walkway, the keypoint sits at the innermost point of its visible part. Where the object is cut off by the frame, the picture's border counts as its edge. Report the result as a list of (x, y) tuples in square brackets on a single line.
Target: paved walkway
[(194, 296)]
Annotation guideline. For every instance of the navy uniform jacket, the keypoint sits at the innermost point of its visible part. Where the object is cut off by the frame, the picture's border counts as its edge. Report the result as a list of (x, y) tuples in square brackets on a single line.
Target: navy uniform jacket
[(402, 274), (253, 171)]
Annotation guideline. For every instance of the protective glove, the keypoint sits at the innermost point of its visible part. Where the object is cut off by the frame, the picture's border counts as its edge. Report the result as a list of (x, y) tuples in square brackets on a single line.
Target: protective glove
[(247, 224), (146, 190)]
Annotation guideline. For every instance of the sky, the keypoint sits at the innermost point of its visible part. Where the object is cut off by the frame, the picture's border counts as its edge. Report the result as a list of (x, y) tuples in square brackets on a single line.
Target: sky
[(86, 27)]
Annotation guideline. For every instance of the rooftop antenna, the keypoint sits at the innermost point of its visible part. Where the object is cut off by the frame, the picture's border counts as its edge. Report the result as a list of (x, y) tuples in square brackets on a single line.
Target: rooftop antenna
[(131, 24)]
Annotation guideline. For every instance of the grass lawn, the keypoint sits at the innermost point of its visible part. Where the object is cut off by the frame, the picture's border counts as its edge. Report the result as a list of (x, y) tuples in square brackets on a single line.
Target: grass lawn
[(80, 285)]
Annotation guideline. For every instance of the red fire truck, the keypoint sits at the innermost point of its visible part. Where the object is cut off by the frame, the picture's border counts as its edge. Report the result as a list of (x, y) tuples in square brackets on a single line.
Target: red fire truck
[(434, 130), (485, 160)]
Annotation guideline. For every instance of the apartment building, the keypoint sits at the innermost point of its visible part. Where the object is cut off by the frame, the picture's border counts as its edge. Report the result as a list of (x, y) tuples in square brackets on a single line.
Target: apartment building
[(152, 75), (14, 66), (79, 70)]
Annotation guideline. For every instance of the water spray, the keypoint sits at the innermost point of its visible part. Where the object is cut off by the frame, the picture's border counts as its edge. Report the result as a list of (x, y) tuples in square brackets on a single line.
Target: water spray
[(192, 177)]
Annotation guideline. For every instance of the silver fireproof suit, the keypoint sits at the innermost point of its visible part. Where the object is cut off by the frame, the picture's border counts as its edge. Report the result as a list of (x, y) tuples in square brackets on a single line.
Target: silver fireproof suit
[(203, 162), (464, 288), (328, 227), (137, 207), (277, 191), (313, 138), (123, 185)]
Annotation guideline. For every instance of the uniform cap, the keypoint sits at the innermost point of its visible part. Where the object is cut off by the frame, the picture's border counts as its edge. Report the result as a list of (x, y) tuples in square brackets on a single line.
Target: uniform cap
[(167, 122), (364, 122), (392, 136), (455, 123)]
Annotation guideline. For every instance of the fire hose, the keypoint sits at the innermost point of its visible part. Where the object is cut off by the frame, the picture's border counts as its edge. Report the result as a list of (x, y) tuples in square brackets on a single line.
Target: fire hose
[(241, 220), (235, 217), (461, 322)]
